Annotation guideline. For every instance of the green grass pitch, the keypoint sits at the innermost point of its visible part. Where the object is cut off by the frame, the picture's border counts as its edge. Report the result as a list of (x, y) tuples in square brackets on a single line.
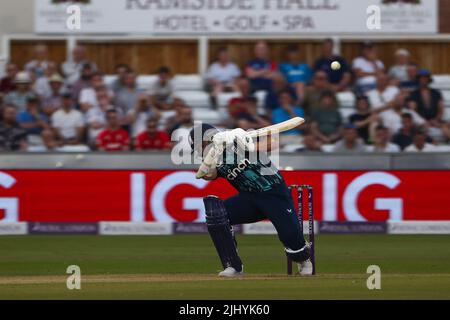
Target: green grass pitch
[(185, 267)]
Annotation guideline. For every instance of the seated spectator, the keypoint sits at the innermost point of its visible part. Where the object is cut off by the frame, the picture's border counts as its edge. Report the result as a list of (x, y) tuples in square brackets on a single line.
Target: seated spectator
[(39, 64), (279, 84), (288, 110), (54, 101), (152, 138), (326, 119), (96, 116), (113, 137), (235, 105), (399, 71), (33, 120), (350, 141), (88, 96), (296, 72), (363, 119), (121, 71), (392, 118), (182, 120), (381, 141), (49, 142), (162, 90), (42, 85), (314, 92), (383, 95), (84, 81), (429, 104), (420, 143), (411, 83), (18, 97), (12, 136), (260, 69), (221, 75), (7, 82), (71, 69), (248, 118), (367, 67), (138, 116), (68, 123), (339, 79), (127, 97), (310, 144), (404, 137)]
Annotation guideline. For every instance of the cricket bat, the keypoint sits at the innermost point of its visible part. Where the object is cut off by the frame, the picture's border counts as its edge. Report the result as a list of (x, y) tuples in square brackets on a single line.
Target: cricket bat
[(213, 154)]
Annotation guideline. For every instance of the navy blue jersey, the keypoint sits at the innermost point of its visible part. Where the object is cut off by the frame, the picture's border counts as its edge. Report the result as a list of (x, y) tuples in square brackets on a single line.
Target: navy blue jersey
[(252, 173)]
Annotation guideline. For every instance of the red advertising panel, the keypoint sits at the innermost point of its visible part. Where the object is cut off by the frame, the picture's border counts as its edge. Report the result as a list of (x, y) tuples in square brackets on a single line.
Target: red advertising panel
[(116, 195)]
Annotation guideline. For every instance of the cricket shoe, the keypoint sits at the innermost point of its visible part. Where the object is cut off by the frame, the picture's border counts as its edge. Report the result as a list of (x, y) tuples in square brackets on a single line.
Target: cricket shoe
[(231, 272), (305, 268)]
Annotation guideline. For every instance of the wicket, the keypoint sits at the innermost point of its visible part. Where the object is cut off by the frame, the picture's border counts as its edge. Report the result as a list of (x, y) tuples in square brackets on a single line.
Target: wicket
[(300, 193)]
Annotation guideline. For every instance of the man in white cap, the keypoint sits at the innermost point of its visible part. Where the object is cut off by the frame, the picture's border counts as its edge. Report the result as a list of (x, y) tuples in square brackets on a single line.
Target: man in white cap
[(18, 97), (399, 71)]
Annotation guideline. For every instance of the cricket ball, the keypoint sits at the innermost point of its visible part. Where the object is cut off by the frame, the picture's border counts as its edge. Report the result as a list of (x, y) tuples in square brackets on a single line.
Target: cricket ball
[(335, 65)]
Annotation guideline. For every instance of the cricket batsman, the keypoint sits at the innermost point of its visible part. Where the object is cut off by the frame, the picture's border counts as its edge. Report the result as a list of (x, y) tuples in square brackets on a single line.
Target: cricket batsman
[(263, 194)]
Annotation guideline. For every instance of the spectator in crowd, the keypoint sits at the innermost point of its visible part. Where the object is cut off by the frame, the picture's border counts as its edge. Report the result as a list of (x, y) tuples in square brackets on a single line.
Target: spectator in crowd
[(382, 96), (364, 119), (72, 68), (381, 141), (152, 138), (310, 144), (33, 120), (113, 137), (39, 64), (404, 137), (261, 68), (49, 142), (429, 104), (288, 110), (96, 116), (248, 118), (42, 85), (12, 136), (7, 82), (221, 75), (338, 79), (235, 105), (54, 101), (399, 71), (420, 143), (88, 96), (411, 83), (182, 120), (122, 70), (392, 118), (127, 97), (296, 72), (138, 116), (314, 92), (179, 130), (367, 67), (67, 122), (279, 84), (18, 97), (350, 142), (162, 90), (326, 119), (87, 72)]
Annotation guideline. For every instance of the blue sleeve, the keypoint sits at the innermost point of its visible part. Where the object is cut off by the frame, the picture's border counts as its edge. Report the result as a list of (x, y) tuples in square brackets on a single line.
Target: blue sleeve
[(22, 117), (308, 73)]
